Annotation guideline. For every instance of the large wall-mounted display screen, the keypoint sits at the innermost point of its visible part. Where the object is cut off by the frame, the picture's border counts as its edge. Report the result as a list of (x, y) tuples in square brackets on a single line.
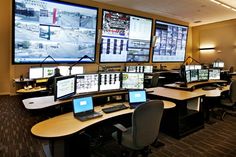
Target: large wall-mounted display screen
[(65, 31), (171, 42), (125, 38)]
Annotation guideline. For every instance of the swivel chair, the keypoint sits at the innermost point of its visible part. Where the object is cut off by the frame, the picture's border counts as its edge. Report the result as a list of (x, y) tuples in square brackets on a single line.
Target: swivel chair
[(144, 131), (230, 100)]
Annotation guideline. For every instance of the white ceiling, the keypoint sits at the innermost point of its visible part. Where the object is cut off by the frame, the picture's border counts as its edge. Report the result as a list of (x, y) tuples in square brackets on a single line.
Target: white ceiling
[(186, 10)]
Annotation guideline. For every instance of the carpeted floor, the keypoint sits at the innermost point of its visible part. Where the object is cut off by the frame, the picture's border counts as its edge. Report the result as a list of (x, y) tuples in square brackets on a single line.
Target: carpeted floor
[(16, 140)]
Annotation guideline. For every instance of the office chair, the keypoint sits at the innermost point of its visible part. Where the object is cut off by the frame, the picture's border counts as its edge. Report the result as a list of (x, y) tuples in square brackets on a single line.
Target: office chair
[(154, 81), (229, 101), (144, 131)]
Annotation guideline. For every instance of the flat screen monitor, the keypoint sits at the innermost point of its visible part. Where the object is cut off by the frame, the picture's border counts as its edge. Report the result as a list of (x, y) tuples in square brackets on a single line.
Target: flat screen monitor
[(171, 42), (218, 64), (137, 96), (35, 72), (132, 80), (135, 68), (187, 67), (63, 30), (77, 70), (188, 76), (87, 83), (109, 81), (65, 87), (48, 71), (125, 38), (203, 74), (82, 104), (194, 75), (148, 69), (197, 67), (64, 70), (214, 74)]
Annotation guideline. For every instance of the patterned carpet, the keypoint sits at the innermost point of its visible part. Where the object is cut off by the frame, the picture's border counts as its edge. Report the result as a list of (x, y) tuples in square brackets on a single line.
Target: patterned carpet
[(217, 140)]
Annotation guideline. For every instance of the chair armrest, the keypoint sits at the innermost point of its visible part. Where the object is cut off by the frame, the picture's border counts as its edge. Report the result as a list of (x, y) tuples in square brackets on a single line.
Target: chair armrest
[(120, 129)]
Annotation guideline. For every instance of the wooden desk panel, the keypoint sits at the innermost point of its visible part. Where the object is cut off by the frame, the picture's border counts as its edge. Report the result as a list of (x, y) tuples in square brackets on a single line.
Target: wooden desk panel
[(212, 93), (32, 90), (193, 84), (174, 93), (66, 124)]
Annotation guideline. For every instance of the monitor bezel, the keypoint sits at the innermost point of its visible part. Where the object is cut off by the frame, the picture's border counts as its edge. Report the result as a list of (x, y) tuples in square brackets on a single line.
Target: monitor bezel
[(13, 62), (99, 81), (185, 47), (149, 58), (55, 87), (77, 75), (136, 90), (131, 73), (199, 75)]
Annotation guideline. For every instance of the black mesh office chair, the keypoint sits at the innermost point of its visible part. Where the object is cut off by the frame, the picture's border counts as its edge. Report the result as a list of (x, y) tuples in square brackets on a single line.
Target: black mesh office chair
[(229, 101), (144, 130)]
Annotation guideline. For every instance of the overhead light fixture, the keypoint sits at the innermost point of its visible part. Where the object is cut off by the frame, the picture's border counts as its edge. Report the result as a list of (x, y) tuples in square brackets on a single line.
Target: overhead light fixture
[(208, 48), (223, 4)]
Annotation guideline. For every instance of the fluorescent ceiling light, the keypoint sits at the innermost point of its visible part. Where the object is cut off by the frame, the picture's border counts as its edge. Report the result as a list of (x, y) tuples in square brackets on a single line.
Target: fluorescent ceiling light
[(224, 5)]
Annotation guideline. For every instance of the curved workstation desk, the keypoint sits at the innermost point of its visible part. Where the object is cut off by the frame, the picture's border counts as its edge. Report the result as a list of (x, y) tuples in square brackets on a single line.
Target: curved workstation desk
[(65, 125)]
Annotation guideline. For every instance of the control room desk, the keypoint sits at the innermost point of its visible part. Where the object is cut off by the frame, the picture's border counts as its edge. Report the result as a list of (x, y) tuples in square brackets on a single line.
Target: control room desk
[(186, 117), (65, 125), (193, 85)]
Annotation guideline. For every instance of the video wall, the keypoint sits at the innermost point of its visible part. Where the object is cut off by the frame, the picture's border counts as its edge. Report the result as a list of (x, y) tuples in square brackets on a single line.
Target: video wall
[(171, 42), (66, 32), (125, 38), (62, 30)]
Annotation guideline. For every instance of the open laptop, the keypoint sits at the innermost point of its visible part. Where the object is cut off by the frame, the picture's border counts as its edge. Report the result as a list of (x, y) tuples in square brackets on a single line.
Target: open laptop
[(137, 97), (83, 108)]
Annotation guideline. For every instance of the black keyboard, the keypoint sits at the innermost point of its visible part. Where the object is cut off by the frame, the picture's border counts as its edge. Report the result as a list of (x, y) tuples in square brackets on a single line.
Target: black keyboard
[(209, 88), (114, 108)]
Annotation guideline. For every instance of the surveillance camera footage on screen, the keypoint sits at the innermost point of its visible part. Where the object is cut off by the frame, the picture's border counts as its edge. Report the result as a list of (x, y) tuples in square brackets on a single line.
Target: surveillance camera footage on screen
[(65, 31), (171, 42)]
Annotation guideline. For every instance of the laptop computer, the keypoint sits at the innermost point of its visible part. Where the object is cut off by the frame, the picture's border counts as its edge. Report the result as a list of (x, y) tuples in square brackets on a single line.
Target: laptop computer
[(137, 97), (83, 108)]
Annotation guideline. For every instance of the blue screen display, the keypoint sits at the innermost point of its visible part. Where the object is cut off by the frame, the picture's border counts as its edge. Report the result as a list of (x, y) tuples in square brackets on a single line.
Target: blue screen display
[(137, 96), (82, 104)]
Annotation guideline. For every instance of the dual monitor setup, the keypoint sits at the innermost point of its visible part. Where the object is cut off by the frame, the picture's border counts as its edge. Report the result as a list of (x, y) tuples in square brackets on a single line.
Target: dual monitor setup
[(67, 86), (83, 107), (198, 74), (68, 31)]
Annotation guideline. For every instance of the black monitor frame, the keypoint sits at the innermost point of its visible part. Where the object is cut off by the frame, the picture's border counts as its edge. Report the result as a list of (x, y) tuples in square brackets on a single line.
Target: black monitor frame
[(185, 46), (53, 62), (103, 10), (99, 82), (67, 95), (131, 74)]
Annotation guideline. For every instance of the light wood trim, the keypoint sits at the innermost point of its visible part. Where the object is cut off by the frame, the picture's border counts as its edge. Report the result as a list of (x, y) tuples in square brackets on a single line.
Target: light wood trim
[(174, 93), (212, 93), (32, 90), (66, 124), (168, 104), (193, 84)]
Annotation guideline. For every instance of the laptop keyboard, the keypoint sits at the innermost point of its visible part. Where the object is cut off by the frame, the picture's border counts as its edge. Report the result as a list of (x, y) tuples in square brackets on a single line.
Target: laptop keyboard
[(90, 116), (114, 108)]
